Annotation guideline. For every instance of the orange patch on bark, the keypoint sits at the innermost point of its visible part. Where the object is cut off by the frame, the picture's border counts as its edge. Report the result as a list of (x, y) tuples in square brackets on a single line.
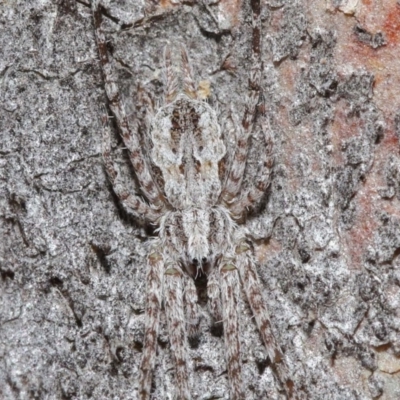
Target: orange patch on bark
[(391, 25), (165, 3), (390, 141)]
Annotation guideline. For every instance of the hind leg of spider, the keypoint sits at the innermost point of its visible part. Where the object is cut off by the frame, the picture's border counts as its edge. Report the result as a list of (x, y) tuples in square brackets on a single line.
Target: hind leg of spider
[(152, 314), (233, 182), (257, 189), (133, 203), (189, 85), (170, 81), (130, 136), (174, 308)]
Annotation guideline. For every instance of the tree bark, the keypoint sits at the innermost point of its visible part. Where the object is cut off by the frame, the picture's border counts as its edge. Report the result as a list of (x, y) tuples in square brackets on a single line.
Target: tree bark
[(327, 236)]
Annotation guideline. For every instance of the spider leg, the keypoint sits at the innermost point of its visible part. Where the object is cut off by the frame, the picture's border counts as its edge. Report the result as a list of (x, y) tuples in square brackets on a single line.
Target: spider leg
[(153, 306), (174, 308), (234, 179), (191, 308), (252, 287), (214, 296), (259, 184), (233, 183), (171, 83), (131, 140), (146, 104), (133, 203), (189, 86), (229, 282)]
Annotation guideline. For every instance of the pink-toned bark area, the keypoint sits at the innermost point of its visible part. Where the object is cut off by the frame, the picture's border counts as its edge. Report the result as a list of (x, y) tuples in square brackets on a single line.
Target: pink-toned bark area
[(383, 62), (350, 55), (374, 17)]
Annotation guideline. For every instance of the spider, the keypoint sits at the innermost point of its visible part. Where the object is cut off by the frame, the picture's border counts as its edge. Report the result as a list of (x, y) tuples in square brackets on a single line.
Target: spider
[(199, 210)]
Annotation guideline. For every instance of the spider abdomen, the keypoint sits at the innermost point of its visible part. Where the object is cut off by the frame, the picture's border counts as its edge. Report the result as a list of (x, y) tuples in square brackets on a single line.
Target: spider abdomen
[(187, 147)]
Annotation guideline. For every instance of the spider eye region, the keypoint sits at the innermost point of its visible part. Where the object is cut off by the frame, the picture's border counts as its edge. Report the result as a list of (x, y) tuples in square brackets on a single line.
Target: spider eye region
[(198, 267), (200, 260), (196, 262)]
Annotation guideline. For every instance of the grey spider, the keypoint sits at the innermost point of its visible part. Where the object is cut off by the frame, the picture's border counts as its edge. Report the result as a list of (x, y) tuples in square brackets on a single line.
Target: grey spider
[(199, 209)]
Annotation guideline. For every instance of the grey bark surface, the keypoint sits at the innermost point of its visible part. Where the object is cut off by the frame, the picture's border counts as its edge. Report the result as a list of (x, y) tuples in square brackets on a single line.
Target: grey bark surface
[(72, 264)]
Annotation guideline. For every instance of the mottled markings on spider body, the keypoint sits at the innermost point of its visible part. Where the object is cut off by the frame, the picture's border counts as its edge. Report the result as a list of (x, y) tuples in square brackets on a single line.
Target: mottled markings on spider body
[(192, 193)]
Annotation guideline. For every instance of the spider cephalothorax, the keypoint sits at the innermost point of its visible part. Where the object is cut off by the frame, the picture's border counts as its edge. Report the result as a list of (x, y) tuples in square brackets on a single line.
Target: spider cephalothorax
[(197, 237), (197, 204)]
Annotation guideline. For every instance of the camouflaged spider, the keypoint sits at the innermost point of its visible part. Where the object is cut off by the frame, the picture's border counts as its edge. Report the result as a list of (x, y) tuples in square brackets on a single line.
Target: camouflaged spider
[(199, 213)]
